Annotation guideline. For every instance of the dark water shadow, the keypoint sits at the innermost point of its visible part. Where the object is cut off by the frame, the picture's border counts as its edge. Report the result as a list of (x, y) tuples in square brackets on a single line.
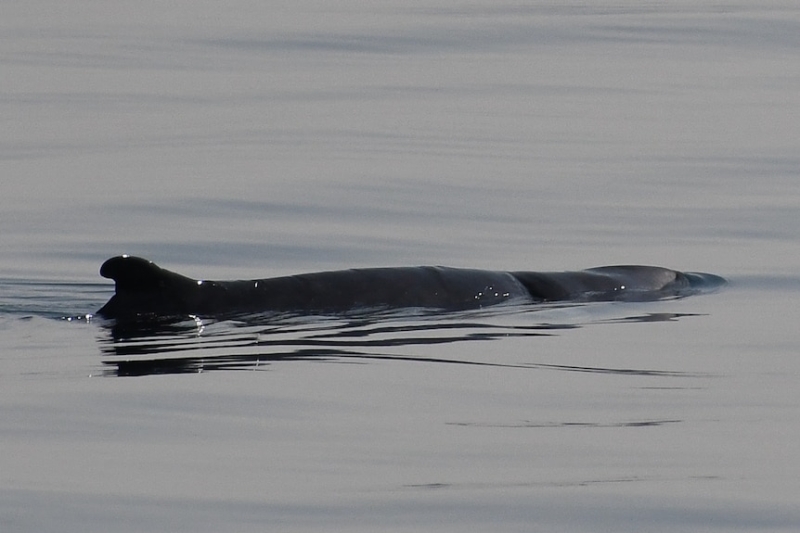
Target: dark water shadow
[(578, 425), (255, 342)]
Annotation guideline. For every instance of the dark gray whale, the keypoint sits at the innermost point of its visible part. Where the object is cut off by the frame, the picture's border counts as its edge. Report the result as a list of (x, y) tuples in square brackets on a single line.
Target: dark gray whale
[(144, 289)]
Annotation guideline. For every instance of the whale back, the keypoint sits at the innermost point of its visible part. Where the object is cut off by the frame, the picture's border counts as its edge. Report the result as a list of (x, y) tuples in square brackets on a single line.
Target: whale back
[(144, 289)]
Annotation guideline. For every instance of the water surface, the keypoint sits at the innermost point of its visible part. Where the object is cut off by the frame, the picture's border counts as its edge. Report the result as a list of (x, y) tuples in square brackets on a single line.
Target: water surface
[(258, 140)]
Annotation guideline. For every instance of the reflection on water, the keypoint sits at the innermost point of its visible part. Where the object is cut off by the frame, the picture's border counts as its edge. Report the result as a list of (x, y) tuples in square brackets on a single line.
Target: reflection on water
[(47, 298), (253, 342)]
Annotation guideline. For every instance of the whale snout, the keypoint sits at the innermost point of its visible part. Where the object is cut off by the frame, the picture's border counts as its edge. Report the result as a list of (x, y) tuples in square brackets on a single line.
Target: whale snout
[(705, 282)]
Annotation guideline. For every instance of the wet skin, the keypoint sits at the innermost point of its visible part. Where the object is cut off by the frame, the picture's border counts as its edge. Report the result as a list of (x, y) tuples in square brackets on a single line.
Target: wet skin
[(145, 289)]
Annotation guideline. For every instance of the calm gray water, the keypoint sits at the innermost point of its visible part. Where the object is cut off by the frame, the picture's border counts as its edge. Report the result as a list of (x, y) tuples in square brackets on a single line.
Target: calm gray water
[(258, 139)]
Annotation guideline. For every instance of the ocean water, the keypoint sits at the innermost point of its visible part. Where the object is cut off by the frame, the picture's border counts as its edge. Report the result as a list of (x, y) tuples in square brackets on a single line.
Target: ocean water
[(249, 140)]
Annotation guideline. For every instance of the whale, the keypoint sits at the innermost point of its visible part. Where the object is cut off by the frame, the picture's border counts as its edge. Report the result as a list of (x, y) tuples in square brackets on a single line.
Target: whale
[(144, 290)]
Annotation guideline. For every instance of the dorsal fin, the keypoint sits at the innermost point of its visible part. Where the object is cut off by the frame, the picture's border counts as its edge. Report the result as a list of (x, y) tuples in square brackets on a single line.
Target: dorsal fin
[(136, 274), (145, 289)]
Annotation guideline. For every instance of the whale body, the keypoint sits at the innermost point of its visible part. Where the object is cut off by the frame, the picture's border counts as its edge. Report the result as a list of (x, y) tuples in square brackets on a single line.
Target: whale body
[(144, 289)]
